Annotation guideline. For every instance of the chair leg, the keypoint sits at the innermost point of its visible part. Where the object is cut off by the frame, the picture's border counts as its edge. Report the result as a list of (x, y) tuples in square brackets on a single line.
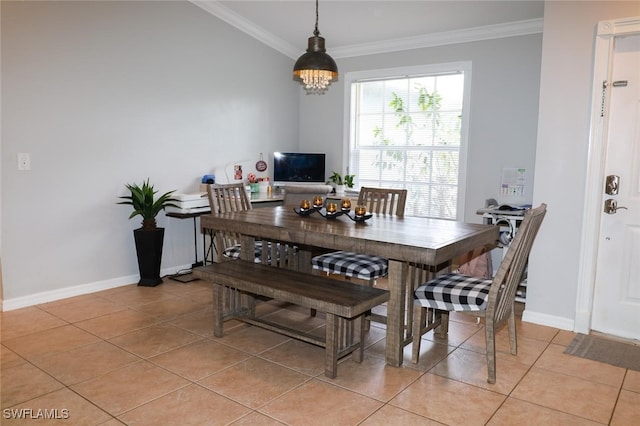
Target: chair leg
[(418, 324), (490, 338), (490, 341), (443, 329), (513, 340)]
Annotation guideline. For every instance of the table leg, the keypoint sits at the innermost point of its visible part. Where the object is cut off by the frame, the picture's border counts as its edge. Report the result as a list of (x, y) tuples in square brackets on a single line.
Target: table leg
[(395, 314), (204, 248), (248, 246), (195, 244), (247, 252), (358, 327), (210, 251)]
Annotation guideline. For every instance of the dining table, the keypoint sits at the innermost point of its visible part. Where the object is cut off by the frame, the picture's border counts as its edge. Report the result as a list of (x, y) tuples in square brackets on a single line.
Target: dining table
[(408, 242)]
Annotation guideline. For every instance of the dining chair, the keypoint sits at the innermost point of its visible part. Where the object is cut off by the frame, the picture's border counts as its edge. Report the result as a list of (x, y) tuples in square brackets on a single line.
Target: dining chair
[(359, 265), (233, 197), (224, 198), (294, 194), (492, 299)]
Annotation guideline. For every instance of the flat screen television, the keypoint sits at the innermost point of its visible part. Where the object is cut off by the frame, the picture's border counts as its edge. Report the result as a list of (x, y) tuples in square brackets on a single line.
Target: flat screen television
[(298, 167)]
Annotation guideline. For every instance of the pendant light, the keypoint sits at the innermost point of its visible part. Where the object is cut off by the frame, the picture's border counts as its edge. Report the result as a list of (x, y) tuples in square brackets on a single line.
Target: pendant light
[(315, 68)]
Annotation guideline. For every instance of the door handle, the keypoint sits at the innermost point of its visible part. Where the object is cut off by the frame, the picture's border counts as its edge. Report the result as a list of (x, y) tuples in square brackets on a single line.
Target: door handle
[(611, 206)]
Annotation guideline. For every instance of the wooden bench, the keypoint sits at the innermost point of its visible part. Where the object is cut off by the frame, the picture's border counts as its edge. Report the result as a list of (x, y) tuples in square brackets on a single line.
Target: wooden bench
[(237, 282)]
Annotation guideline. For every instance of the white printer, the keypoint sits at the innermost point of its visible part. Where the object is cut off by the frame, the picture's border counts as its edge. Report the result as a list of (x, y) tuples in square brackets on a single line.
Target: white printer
[(190, 203)]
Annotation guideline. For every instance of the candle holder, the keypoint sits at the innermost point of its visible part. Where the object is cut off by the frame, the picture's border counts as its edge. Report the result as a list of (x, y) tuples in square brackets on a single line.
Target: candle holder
[(318, 201), (345, 204), (332, 208), (360, 214), (304, 209)]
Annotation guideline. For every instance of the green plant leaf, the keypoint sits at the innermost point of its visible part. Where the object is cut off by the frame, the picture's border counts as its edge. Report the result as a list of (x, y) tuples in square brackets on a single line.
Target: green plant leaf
[(144, 202)]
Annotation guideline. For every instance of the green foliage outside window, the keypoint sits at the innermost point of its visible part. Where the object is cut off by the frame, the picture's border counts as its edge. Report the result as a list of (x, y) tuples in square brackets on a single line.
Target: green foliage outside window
[(414, 142)]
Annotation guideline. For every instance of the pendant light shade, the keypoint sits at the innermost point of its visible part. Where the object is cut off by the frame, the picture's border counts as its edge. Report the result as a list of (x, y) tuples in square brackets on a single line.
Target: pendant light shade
[(315, 68)]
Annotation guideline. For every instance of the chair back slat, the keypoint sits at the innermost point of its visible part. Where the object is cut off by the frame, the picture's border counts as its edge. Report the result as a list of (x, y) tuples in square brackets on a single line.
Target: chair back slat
[(225, 198), (509, 276), (383, 200)]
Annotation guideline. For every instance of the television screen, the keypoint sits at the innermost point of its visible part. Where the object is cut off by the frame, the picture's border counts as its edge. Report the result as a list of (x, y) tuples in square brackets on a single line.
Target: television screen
[(298, 167)]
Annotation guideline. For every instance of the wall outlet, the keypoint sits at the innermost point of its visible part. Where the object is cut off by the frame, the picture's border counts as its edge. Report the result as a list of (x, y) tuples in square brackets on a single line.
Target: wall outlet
[(24, 161)]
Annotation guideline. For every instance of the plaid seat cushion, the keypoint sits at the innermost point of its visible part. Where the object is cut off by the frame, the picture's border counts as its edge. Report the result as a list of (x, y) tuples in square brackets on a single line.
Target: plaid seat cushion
[(454, 292), (233, 252), (351, 264)]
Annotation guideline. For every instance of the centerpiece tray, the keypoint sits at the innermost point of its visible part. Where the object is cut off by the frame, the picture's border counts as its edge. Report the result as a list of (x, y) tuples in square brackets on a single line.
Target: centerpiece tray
[(359, 219)]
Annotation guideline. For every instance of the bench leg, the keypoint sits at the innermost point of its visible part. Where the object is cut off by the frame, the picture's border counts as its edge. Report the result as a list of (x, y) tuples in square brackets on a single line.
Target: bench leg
[(218, 309), (331, 348)]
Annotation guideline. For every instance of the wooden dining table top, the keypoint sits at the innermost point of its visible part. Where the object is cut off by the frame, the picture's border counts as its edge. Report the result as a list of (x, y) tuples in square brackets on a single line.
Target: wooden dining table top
[(421, 240)]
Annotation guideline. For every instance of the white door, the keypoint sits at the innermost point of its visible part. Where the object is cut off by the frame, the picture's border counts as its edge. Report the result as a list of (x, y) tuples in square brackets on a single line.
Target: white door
[(616, 308)]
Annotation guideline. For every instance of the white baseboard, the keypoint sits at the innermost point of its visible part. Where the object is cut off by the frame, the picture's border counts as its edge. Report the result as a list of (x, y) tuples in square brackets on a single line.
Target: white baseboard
[(63, 293), (548, 320)]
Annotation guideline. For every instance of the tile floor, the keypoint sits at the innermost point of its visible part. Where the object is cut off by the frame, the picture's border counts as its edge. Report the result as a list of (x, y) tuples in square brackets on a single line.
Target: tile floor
[(147, 356)]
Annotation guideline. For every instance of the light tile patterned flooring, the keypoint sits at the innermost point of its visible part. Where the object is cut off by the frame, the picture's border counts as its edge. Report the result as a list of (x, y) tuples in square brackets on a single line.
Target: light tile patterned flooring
[(147, 356)]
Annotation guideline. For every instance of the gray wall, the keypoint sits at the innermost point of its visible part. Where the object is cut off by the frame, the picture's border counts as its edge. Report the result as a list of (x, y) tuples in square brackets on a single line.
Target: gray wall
[(503, 118), (107, 93), (562, 149), (102, 94), (530, 108)]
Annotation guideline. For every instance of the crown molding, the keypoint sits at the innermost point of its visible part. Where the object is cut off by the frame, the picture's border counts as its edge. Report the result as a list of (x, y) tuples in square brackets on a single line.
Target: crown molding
[(248, 27), (489, 32), (510, 29)]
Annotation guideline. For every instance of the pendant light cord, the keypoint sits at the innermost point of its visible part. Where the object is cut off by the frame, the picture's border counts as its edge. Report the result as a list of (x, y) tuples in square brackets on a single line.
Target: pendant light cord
[(316, 32)]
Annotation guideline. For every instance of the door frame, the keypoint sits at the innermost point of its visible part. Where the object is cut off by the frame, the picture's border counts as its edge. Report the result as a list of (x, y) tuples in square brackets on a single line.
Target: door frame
[(602, 69)]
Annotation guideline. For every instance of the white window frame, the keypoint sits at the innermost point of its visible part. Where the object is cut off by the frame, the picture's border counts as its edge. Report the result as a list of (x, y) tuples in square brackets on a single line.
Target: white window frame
[(444, 68)]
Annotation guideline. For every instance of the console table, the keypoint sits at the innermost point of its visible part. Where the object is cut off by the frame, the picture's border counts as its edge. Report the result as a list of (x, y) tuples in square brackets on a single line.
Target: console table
[(194, 216)]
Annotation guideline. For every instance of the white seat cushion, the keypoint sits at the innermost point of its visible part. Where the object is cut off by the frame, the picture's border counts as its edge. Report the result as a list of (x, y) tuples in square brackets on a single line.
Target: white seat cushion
[(454, 292), (350, 264)]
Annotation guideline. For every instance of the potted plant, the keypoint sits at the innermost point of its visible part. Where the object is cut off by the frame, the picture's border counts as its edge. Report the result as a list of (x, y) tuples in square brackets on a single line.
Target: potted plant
[(149, 237), (340, 181)]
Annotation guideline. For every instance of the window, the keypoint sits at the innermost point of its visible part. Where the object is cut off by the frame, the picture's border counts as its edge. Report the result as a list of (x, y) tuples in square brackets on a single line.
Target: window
[(407, 129)]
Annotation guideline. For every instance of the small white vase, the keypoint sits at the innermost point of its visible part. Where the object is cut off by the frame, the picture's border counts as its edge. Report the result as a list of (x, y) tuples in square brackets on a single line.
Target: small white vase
[(339, 189)]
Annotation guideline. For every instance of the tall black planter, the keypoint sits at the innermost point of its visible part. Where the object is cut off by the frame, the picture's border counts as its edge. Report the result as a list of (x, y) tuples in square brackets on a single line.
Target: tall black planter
[(149, 251)]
